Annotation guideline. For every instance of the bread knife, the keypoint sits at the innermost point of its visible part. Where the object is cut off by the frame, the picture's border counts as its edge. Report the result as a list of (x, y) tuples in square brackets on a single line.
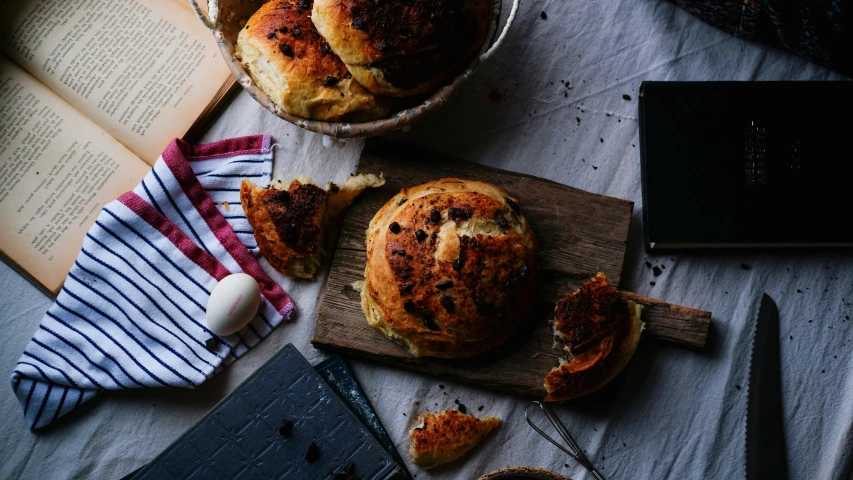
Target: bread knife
[(765, 443)]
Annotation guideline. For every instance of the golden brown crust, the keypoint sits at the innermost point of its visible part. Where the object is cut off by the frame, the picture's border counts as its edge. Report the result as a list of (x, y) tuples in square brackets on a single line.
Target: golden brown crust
[(289, 60), (287, 223), (599, 330), (451, 268), (442, 438), (403, 48)]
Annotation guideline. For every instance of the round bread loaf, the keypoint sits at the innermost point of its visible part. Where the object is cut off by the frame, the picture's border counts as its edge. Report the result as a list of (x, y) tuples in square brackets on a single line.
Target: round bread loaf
[(451, 268), (290, 62), (406, 47)]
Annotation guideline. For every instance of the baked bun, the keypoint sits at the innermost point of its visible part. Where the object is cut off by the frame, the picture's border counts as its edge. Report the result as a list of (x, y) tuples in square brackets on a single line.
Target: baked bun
[(407, 47), (599, 330), (289, 222), (451, 268), (442, 438), (290, 62)]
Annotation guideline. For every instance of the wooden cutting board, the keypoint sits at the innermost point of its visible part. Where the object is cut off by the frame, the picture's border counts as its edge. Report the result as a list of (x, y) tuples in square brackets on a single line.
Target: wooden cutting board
[(579, 234)]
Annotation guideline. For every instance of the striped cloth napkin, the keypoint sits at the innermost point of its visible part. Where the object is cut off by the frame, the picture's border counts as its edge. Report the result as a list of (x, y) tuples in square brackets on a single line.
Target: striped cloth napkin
[(131, 312)]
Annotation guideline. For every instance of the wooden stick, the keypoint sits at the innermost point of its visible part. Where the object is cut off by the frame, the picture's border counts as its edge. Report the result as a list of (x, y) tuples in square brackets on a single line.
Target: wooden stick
[(685, 326)]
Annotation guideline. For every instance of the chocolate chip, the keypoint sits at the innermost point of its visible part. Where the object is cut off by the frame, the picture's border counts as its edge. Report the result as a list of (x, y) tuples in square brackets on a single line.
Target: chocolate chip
[(304, 4), (271, 35), (626, 97), (745, 266), (401, 253), (381, 46), (656, 270), (334, 188), (359, 24), (283, 29), (326, 49), (296, 32), (444, 285), (502, 222), (513, 205), (281, 196), (543, 16), (458, 264), (421, 235), (285, 428), (405, 275), (523, 272), (313, 452), (409, 306), (210, 343), (407, 288), (448, 304), (394, 227), (462, 408), (458, 214), (330, 81), (486, 308), (286, 49), (291, 233), (435, 217), (401, 202), (429, 322)]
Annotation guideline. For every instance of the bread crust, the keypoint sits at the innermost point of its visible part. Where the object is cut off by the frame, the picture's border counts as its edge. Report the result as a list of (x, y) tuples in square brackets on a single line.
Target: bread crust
[(451, 268), (289, 60), (599, 330), (441, 438), (287, 224), (403, 48)]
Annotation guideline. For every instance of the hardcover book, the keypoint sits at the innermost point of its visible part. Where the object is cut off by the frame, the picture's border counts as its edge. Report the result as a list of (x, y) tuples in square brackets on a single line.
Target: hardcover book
[(746, 164), (288, 420)]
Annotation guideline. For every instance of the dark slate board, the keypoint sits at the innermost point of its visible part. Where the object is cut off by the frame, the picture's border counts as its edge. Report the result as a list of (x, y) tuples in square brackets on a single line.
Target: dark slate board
[(337, 374), (239, 438)]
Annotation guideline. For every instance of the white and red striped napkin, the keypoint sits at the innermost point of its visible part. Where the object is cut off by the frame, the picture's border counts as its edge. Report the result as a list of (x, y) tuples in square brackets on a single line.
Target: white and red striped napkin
[(132, 310)]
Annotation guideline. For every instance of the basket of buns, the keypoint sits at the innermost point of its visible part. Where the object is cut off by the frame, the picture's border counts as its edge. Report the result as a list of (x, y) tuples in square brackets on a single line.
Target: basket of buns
[(354, 68)]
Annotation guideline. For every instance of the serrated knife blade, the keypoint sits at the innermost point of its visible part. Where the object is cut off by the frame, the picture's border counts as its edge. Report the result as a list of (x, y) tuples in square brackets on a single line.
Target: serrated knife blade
[(765, 442)]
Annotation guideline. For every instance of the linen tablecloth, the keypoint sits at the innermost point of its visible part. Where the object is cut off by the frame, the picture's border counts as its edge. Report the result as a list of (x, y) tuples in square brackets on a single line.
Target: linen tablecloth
[(551, 103)]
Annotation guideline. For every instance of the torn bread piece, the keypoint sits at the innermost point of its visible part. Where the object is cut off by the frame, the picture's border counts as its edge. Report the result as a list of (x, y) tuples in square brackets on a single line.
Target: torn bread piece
[(289, 221), (599, 330), (441, 438)]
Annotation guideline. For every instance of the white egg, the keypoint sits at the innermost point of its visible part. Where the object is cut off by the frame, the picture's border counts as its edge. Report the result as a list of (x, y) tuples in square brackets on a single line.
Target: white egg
[(233, 303)]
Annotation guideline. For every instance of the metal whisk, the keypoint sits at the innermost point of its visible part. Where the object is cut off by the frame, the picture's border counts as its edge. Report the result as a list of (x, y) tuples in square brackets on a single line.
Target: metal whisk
[(574, 449)]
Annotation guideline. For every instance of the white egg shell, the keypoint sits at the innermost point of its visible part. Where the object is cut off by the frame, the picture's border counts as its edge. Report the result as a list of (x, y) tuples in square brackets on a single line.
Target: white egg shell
[(233, 303)]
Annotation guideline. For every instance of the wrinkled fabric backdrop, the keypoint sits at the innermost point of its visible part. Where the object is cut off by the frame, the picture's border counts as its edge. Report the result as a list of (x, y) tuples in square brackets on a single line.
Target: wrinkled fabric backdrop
[(677, 414)]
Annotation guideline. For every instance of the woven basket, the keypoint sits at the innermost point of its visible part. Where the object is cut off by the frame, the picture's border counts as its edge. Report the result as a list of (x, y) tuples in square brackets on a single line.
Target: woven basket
[(227, 17), (527, 473)]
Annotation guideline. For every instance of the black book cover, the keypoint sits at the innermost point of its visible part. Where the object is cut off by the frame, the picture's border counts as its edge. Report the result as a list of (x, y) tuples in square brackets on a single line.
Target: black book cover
[(245, 436), (746, 164)]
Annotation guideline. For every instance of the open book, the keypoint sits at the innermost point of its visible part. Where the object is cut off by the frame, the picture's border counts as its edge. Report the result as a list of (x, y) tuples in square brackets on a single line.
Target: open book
[(91, 91)]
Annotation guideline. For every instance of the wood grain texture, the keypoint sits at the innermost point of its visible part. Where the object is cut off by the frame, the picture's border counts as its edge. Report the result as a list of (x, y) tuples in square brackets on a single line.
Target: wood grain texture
[(579, 235)]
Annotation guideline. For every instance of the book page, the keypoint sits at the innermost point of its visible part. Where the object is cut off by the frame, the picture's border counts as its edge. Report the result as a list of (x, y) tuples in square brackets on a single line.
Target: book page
[(57, 169), (144, 70)]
